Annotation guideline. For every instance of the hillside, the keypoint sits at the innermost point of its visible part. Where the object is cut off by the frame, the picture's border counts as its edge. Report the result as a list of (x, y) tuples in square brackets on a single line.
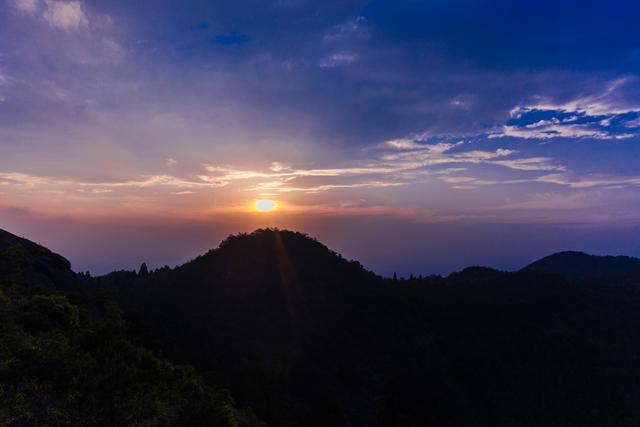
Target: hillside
[(303, 336), (306, 337), (31, 263), (585, 267), (63, 365)]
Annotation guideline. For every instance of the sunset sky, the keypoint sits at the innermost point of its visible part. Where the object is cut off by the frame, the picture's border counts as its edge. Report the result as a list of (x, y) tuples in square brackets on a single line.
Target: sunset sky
[(415, 136)]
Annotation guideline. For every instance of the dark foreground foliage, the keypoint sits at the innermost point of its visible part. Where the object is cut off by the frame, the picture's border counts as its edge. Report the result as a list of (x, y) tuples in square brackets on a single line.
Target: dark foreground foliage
[(60, 367), (305, 337)]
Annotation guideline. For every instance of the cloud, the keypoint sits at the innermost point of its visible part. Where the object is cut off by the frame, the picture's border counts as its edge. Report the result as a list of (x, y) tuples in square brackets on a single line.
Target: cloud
[(22, 179), (26, 6), (472, 183), (279, 187), (353, 28), (395, 163), (566, 179), (608, 114), (408, 154), (399, 162), (407, 143), (33, 181), (531, 164), (555, 200), (612, 100), (635, 123), (545, 129), (338, 59), (590, 181), (65, 15), (556, 131), (278, 167)]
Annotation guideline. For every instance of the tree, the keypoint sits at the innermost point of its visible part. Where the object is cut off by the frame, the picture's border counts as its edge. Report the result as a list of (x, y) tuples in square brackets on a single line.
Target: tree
[(143, 271)]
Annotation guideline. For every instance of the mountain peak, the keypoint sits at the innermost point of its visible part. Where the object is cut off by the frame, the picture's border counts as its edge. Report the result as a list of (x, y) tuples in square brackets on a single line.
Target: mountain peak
[(269, 235), (582, 266), (272, 257)]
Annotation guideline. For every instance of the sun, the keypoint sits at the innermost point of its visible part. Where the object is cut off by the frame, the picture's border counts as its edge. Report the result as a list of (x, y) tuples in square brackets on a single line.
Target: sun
[(265, 205)]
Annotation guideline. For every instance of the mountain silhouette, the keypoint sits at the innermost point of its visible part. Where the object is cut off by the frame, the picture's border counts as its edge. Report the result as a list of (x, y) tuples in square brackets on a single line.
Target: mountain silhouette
[(582, 266), (289, 325), (31, 263), (302, 336), (67, 358)]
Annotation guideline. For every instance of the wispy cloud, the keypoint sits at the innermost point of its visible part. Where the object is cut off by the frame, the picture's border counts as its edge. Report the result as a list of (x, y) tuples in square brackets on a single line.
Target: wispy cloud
[(34, 181), (65, 15), (26, 6), (338, 59), (353, 28), (531, 164), (612, 100), (397, 162), (589, 181), (277, 187), (568, 180), (556, 200), (609, 114), (556, 129), (171, 163)]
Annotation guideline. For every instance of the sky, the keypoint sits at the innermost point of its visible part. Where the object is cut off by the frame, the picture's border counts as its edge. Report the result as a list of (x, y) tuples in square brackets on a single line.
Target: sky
[(415, 136)]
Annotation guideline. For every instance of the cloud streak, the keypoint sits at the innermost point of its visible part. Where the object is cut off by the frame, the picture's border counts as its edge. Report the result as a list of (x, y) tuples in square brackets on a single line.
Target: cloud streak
[(610, 114)]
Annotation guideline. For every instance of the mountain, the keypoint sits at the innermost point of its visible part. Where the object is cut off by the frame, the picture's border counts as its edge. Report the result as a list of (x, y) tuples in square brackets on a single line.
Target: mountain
[(302, 336), (305, 337), (585, 267), (474, 274), (31, 263), (61, 364)]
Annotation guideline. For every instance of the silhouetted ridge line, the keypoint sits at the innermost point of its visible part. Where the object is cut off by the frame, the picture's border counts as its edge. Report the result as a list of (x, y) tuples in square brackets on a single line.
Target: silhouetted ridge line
[(582, 266), (303, 336)]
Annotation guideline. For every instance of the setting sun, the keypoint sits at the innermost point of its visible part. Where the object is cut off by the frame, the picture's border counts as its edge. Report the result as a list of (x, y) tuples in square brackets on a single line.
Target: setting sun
[(265, 205)]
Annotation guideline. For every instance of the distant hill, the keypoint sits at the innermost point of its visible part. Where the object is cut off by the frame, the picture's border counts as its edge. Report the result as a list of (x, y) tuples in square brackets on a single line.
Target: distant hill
[(582, 266), (475, 275), (302, 336)]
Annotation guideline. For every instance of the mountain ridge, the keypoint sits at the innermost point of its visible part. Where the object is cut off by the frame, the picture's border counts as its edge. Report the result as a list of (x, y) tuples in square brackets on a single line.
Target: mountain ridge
[(302, 336), (594, 266), (582, 266)]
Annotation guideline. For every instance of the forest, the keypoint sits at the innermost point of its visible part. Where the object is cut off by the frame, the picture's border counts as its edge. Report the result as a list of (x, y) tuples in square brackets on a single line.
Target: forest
[(274, 328)]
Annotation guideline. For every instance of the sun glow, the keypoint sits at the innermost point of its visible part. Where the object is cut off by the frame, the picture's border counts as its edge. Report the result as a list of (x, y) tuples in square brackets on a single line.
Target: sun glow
[(265, 205)]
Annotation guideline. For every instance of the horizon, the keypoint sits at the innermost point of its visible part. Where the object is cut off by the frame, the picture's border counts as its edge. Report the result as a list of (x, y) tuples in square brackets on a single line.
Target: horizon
[(415, 137), (388, 274)]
